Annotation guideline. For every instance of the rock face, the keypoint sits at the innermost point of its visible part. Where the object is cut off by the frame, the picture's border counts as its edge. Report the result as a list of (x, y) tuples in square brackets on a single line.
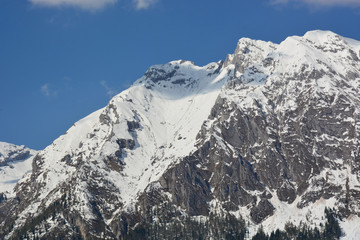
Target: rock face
[(270, 134)]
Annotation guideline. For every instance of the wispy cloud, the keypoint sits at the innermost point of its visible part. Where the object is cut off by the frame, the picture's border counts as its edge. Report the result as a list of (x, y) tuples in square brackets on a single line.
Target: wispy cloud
[(89, 5), (328, 3), (47, 91), (143, 4), (109, 91)]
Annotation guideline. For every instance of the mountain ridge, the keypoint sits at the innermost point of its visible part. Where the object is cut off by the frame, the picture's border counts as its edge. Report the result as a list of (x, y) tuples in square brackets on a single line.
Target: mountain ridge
[(255, 135)]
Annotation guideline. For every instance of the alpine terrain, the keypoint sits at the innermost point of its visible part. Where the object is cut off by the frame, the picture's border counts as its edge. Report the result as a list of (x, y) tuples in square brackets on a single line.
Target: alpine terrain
[(265, 142), (15, 161)]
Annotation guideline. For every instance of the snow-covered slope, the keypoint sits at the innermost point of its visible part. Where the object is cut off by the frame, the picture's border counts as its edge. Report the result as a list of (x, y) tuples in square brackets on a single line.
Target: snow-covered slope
[(272, 130), (129, 143), (15, 161), (166, 113)]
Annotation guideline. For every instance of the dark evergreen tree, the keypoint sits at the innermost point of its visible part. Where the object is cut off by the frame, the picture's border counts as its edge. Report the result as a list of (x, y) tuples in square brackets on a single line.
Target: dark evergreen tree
[(260, 235), (332, 228)]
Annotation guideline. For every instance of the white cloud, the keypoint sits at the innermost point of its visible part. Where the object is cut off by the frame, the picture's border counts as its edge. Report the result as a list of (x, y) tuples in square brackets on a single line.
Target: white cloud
[(350, 3), (45, 89), (276, 2), (143, 4), (109, 91), (90, 5)]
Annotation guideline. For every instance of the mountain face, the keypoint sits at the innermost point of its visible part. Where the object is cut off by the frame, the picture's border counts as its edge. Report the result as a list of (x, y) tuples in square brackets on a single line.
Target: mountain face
[(271, 135), (15, 161)]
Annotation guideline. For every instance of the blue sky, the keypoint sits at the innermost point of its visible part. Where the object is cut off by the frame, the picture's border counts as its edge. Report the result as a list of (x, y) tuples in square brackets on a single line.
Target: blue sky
[(60, 60)]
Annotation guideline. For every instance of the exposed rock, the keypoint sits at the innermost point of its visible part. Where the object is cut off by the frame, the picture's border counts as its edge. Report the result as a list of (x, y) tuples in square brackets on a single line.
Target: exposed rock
[(133, 125), (2, 197), (126, 143), (261, 211)]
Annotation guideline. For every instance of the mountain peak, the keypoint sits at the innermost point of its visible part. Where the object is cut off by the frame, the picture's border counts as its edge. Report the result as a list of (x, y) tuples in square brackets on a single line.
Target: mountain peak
[(326, 41), (179, 78), (11, 152), (321, 36), (15, 161)]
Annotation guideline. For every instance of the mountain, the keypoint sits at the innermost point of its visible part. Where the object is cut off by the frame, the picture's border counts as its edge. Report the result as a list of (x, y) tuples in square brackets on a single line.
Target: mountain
[(269, 137), (15, 161)]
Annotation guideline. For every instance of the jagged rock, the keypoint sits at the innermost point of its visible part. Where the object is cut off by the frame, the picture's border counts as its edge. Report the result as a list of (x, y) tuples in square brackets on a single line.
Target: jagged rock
[(261, 211), (157, 75), (286, 193), (2, 197), (132, 125), (126, 143)]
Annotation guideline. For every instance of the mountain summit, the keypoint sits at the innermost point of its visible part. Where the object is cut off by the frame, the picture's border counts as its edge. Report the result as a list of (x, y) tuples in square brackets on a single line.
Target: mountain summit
[(270, 136)]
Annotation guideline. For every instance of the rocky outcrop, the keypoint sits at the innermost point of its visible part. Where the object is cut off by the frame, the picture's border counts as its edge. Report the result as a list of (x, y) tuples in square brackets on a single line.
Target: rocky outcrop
[(12, 153)]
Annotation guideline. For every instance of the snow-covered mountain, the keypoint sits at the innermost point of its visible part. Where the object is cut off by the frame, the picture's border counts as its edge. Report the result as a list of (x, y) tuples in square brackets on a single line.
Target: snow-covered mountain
[(271, 134), (15, 161)]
